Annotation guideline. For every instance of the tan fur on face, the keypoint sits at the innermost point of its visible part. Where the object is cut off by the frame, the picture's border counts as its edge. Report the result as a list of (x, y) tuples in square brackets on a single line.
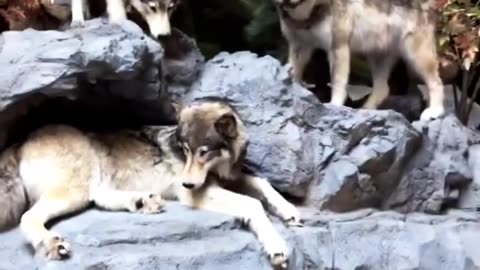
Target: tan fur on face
[(195, 120), (210, 113)]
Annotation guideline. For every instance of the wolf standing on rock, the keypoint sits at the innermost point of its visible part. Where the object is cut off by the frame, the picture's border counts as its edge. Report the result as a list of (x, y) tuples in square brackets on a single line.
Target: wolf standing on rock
[(60, 169), (382, 30)]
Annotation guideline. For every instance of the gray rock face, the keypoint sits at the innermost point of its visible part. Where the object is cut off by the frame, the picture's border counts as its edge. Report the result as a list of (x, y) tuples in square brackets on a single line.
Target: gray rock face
[(51, 61), (107, 66), (182, 238), (335, 157), (439, 170), (470, 195)]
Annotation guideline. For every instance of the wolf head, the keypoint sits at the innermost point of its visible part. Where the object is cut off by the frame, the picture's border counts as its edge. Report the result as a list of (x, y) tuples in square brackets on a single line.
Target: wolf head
[(298, 9), (212, 138), (156, 14)]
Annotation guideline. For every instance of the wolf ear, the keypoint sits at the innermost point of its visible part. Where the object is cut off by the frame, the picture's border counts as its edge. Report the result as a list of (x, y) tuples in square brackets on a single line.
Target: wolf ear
[(177, 107), (226, 126)]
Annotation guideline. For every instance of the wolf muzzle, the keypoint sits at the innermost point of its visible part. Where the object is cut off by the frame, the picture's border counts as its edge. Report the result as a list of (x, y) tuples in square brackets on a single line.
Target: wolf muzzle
[(159, 24)]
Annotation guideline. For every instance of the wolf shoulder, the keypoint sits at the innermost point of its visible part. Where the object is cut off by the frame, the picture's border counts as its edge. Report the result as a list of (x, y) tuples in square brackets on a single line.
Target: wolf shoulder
[(370, 24)]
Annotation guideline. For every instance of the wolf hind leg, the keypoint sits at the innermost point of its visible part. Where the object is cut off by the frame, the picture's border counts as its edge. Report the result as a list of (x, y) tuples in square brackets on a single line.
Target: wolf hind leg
[(49, 206), (381, 67), (249, 210), (420, 53), (133, 201), (298, 58)]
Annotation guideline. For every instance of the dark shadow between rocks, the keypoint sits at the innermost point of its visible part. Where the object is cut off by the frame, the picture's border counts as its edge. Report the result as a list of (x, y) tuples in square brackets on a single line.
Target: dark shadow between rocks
[(87, 112)]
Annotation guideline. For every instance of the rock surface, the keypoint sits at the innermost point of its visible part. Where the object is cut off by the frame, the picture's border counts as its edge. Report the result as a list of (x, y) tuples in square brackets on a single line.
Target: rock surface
[(114, 68), (470, 196), (182, 238), (52, 61), (439, 168)]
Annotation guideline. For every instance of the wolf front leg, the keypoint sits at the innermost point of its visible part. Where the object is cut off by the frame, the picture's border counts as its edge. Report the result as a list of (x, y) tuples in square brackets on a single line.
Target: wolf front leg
[(78, 17), (116, 11), (298, 58), (249, 210), (380, 65), (339, 54), (277, 204), (340, 72), (133, 201)]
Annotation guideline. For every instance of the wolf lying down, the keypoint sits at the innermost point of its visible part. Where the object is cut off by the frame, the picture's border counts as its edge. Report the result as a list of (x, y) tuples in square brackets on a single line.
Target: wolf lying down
[(60, 169)]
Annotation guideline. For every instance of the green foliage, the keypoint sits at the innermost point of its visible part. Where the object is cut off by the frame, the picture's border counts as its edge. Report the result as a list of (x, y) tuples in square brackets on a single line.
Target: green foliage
[(264, 31)]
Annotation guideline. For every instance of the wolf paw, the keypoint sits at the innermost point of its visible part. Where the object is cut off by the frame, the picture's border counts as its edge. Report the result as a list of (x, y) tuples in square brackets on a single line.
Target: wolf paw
[(431, 113), (77, 24), (294, 221), (307, 85), (297, 78), (117, 18), (56, 248), (150, 204), (291, 216), (277, 254)]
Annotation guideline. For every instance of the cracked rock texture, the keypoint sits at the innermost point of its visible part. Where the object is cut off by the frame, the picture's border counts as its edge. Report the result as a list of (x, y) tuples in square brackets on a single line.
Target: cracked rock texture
[(182, 238), (440, 170), (51, 61), (115, 72)]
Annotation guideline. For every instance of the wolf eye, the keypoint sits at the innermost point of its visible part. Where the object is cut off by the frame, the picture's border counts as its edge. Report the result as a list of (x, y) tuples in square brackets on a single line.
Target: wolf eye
[(203, 151)]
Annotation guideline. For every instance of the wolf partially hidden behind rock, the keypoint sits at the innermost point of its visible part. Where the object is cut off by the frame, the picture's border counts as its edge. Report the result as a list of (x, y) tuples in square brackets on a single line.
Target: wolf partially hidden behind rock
[(382, 30), (156, 13), (59, 170)]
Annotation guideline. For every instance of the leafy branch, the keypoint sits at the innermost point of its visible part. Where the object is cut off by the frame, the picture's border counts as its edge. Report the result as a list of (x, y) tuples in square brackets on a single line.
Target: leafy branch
[(458, 36)]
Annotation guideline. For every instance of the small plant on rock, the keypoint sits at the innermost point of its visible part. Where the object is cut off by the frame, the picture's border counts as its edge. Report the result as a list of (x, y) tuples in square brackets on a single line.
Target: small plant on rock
[(458, 41)]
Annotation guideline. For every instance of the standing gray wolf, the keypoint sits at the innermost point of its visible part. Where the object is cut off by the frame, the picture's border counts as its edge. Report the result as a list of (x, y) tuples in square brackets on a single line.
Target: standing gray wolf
[(156, 13), (60, 170), (381, 30)]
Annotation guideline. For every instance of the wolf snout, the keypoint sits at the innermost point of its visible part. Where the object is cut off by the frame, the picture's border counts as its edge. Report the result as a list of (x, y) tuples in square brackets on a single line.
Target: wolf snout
[(188, 185), (163, 37)]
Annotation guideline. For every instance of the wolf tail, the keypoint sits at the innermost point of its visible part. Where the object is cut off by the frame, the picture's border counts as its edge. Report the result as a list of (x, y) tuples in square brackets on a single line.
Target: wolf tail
[(13, 198)]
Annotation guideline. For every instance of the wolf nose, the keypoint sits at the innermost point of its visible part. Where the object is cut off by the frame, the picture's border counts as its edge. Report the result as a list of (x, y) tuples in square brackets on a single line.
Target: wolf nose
[(163, 37), (188, 185)]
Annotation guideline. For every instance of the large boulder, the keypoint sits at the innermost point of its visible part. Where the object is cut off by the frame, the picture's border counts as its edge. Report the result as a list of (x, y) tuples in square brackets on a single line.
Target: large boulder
[(334, 157), (116, 72), (440, 171), (52, 61)]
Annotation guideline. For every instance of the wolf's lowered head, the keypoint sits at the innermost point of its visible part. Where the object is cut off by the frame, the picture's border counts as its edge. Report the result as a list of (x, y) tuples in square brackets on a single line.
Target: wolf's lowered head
[(156, 14), (212, 138)]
